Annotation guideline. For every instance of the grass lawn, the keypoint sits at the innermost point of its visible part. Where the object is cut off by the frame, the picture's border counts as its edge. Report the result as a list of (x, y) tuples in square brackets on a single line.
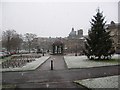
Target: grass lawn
[(83, 62), (5, 59), (8, 87), (29, 66), (102, 82)]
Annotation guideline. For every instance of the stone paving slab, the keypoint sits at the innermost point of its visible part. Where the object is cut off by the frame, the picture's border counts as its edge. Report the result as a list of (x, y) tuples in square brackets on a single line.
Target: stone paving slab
[(57, 85), (102, 82), (29, 66)]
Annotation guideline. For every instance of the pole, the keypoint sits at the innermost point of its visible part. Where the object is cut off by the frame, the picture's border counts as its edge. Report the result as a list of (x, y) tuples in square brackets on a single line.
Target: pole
[(51, 64)]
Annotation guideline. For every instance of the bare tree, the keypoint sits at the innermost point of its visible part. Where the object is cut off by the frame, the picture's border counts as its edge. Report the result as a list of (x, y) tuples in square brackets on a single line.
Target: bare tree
[(29, 37), (6, 38), (11, 40), (16, 42)]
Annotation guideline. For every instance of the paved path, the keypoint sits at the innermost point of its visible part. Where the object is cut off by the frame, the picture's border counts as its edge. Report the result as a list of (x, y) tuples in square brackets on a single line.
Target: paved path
[(58, 63), (60, 77)]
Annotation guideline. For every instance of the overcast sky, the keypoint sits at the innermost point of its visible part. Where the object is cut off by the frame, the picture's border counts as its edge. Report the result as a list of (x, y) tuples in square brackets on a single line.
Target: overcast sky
[(54, 19)]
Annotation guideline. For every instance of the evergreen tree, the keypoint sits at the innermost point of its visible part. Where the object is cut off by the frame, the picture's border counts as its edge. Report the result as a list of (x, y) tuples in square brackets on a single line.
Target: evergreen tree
[(98, 44)]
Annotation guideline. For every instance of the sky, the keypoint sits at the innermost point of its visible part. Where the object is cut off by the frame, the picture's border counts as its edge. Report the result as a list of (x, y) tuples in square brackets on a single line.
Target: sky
[(53, 18)]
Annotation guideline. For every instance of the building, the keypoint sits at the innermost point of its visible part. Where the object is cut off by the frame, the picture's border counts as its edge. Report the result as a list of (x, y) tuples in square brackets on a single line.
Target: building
[(114, 29), (58, 47), (75, 34), (74, 43), (72, 34)]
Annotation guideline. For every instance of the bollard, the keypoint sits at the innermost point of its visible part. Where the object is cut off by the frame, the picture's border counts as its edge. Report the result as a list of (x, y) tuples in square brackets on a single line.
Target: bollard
[(51, 64), (43, 53)]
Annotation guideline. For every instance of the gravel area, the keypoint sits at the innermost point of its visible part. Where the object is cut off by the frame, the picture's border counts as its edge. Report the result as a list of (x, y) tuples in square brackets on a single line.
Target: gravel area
[(29, 66), (83, 62), (104, 82)]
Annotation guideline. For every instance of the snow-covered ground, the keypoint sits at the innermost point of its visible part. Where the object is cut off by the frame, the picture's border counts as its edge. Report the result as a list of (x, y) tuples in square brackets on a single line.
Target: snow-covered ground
[(102, 82), (29, 66), (83, 62), (116, 56)]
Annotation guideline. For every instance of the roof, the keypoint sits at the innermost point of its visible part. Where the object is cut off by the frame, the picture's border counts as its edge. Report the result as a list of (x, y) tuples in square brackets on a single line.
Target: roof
[(58, 42)]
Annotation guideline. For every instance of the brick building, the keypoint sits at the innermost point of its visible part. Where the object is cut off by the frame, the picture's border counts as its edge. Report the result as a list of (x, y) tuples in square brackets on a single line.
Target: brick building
[(114, 29)]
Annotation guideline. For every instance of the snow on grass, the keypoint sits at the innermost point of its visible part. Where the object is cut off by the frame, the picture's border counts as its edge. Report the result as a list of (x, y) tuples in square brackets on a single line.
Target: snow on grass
[(29, 66), (83, 62), (103, 82), (8, 86), (5, 59), (116, 56)]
